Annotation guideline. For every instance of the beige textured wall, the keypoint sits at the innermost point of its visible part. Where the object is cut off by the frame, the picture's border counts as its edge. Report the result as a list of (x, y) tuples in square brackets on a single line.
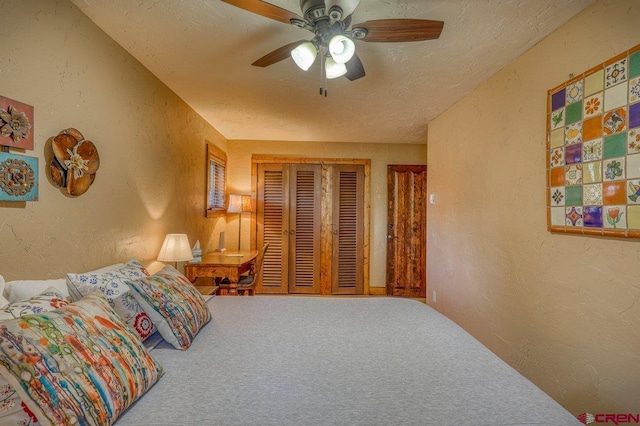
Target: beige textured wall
[(152, 148), (239, 162), (561, 309)]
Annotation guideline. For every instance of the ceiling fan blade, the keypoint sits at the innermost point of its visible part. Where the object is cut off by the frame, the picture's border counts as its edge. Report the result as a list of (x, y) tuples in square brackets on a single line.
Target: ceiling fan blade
[(265, 9), (399, 30), (355, 69), (277, 55)]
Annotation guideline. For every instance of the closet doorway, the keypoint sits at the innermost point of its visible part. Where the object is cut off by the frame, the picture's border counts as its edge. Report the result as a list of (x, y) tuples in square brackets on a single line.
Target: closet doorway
[(313, 213)]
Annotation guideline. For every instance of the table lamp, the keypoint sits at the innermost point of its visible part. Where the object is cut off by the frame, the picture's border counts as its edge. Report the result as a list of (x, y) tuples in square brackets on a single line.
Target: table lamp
[(239, 204), (175, 248)]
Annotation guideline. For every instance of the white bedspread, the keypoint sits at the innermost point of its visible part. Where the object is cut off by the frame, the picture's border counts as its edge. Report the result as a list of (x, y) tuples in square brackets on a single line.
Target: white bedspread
[(270, 360)]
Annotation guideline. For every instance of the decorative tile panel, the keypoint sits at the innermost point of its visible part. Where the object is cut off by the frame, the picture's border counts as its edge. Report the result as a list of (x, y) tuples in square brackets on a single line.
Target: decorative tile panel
[(592, 194), (615, 97), (573, 174), (557, 196), (594, 82), (615, 217), (615, 73), (557, 157), (593, 105), (573, 133), (592, 172), (634, 90), (593, 147), (592, 150)]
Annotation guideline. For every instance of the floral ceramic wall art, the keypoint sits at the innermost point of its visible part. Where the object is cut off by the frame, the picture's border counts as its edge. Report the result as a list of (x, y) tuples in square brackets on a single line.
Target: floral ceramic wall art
[(593, 150), (18, 173), (75, 162), (18, 177), (16, 124)]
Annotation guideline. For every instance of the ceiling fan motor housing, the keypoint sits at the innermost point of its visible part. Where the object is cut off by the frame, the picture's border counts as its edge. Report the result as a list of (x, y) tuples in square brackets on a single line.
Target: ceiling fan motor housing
[(313, 10)]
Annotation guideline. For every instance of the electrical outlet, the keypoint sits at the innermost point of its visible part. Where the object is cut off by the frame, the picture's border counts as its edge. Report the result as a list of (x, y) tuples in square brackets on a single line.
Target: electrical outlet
[(435, 297)]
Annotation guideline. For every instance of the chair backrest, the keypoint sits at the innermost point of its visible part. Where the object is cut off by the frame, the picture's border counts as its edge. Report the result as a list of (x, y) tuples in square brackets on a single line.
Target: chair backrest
[(259, 261)]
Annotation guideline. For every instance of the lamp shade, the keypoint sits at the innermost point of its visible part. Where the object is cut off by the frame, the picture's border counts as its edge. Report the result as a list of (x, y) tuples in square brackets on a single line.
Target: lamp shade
[(304, 55), (239, 203), (341, 48), (334, 69), (175, 248)]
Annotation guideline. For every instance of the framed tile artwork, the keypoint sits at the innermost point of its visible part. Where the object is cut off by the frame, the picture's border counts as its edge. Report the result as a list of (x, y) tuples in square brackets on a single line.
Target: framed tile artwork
[(16, 124), (18, 177), (593, 150)]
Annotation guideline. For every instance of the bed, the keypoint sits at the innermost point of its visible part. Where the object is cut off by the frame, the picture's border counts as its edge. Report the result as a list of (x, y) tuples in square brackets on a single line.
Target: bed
[(283, 360), (262, 360)]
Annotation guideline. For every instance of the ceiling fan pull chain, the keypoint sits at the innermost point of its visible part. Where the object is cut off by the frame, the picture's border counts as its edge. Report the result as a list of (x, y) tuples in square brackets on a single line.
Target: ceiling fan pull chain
[(323, 80)]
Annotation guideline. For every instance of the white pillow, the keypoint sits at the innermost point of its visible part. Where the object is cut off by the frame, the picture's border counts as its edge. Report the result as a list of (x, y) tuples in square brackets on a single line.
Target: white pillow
[(18, 290), (3, 300), (15, 291)]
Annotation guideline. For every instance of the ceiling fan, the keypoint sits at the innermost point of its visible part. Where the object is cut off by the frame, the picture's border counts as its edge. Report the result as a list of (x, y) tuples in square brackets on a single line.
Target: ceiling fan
[(334, 35)]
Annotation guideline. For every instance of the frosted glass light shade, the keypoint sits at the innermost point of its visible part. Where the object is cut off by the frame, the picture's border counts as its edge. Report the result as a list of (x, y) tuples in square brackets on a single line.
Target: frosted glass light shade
[(334, 69), (175, 248), (304, 55), (341, 48)]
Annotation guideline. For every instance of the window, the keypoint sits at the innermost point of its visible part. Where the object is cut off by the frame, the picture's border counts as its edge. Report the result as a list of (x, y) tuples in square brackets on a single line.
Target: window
[(216, 180)]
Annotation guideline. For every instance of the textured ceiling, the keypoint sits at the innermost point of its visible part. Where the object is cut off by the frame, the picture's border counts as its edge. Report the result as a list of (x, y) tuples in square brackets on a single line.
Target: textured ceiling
[(203, 50)]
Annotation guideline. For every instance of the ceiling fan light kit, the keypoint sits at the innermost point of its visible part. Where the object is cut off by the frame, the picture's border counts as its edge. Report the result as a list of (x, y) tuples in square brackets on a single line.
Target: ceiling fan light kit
[(341, 48), (334, 35), (334, 69), (304, 55)]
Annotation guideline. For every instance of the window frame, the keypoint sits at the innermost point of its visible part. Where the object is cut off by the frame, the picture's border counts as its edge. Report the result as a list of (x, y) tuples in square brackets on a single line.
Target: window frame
[(217, 196)]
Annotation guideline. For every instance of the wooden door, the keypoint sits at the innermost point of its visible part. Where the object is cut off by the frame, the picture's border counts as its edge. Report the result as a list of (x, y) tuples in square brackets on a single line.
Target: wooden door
[(406, 231), (347, 270), (304, 228), (288, 218), (272, 212)]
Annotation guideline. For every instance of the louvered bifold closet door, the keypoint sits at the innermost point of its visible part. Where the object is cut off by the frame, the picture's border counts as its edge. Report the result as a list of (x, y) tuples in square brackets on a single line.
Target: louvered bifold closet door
[(348, 230), (304, 228), (273, 216)]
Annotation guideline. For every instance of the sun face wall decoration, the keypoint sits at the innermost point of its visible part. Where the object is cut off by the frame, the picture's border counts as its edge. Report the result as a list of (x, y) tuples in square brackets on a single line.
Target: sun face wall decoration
[(593, 150)]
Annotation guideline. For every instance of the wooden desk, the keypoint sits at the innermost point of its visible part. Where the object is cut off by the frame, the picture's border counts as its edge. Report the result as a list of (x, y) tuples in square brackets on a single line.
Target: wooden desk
[(222, 264)]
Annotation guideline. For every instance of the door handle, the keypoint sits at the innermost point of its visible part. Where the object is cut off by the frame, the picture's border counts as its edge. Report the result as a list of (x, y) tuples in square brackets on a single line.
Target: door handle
[(390, 237)]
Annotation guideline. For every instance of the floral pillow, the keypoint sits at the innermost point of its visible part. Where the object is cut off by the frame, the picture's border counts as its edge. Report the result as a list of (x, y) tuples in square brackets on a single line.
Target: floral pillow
[(13, 411), (46, 301), (113, 284), (174, 305), (80, 364)]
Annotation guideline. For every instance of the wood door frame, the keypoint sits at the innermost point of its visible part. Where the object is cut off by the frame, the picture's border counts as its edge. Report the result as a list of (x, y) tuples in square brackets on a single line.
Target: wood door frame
[(326, 235), (391, 206)]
